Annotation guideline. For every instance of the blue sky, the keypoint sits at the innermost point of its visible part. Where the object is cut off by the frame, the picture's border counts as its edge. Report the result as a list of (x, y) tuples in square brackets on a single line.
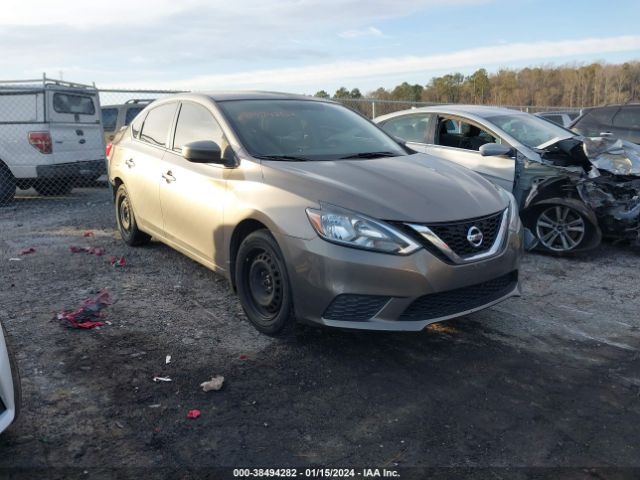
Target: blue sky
[(305, 45)]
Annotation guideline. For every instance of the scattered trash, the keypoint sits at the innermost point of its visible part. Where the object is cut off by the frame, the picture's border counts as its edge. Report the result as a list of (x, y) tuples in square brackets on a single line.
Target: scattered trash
[(214, 384), (167, 360), (88, 233), (195, 413), (243, 357), (89, 313), (98, 251), (161, 379), (28, 251), (117, 262), (119, 425), (15, 259), (155, 405)]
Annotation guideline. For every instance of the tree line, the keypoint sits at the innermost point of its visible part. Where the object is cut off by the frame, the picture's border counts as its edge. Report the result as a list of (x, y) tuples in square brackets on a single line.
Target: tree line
[(572, 86)]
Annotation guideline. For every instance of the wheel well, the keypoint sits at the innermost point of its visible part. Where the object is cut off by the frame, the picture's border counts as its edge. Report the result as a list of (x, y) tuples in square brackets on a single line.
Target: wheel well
[(116, 184), (242, 230)]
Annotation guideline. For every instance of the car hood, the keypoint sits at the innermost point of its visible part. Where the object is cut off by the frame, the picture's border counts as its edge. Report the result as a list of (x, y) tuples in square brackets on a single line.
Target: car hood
[(412, 188)]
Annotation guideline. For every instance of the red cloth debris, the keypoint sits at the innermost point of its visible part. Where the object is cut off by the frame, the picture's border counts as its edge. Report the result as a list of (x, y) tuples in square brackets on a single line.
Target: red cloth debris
[(98, 251), (27, 251), (195, 413), (89, 313), (117, 262), (243, 357), (88, 233)]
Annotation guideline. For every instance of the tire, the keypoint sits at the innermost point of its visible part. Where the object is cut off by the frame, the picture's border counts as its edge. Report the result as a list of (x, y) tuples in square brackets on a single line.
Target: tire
[(15, 376), (53, 187), (561, 229), (263, 284), (7, 185), (126, 220)]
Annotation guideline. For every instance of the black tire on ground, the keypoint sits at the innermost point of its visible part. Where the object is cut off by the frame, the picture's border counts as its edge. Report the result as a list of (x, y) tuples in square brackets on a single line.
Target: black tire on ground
[(7, 185), (561, 229), (263, 284), (126, 219), (53, 187), (15, 376)]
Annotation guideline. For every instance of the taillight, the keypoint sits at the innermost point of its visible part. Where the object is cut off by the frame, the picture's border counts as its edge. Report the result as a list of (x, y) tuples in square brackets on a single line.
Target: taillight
[(41, 141), (108, 149)]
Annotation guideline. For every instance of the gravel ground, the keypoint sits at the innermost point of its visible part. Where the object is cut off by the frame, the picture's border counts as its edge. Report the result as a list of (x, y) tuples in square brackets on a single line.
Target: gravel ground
[(551, 379)]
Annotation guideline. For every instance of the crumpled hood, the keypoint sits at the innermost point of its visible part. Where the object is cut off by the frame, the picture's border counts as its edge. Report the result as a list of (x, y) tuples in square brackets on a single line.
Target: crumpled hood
[(412, 188)]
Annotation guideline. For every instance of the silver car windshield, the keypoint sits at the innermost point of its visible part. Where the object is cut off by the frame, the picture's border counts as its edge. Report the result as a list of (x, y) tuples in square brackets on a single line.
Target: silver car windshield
[(530, 130), (306, 130)]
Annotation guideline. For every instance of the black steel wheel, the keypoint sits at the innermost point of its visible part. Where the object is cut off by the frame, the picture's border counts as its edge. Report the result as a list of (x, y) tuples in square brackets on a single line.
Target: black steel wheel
[(127, 225), (263, 284)]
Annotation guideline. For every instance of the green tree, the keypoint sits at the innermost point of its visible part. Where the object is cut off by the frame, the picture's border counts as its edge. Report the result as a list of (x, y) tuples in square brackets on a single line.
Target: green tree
[(322, 94), (342, 92)]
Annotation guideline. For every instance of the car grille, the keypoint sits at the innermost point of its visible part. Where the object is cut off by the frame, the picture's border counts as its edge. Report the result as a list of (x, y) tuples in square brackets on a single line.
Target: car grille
[(455, 234), (459, 300), (354, 308)]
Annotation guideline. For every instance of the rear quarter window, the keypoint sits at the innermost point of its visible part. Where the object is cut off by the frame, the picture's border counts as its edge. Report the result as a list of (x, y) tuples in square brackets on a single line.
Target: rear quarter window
[(71, 103), (109, 119)]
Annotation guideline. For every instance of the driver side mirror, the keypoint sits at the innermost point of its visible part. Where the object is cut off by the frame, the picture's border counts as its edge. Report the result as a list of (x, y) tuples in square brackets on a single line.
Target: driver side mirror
[(494, 150), (202, 151)]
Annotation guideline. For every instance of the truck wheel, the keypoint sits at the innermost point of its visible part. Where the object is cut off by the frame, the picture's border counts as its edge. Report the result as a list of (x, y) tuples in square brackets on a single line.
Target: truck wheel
[(126, 219), (53, 187), (7, 185)]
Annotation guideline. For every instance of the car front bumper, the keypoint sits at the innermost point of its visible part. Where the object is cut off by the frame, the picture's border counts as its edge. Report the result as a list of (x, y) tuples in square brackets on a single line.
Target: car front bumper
[(344, 287)]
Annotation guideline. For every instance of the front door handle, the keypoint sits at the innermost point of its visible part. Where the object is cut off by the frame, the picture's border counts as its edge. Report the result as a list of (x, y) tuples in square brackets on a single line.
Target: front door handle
[(130, 163), (169, 177)]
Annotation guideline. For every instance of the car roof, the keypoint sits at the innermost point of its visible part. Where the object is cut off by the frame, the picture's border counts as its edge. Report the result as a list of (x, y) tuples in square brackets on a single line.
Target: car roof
[(254, 95), (482, 111)]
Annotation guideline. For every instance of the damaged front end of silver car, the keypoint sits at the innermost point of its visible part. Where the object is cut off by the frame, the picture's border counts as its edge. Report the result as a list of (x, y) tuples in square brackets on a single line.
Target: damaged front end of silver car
[(599, 177)]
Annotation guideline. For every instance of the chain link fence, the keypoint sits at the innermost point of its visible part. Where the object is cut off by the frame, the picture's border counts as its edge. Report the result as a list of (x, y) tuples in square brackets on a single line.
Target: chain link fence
[(53, 133)]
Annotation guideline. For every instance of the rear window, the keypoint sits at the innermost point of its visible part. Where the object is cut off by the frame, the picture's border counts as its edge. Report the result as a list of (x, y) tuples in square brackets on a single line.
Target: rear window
[(131, 114), (70, 103), (109, 119), (628, 117)]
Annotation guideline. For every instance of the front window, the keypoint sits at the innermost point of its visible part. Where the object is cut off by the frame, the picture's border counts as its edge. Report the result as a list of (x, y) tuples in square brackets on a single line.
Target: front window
[(306, 130), (530, 130), (412, 128)]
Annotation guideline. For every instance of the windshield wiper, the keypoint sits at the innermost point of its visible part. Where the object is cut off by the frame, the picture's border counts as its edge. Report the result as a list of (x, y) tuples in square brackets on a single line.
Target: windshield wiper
[(370, 155), (291, 158)]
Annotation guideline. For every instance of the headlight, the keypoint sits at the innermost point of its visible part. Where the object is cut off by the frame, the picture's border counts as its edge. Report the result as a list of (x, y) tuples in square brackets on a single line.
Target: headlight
[(514, 217), (351, 229)]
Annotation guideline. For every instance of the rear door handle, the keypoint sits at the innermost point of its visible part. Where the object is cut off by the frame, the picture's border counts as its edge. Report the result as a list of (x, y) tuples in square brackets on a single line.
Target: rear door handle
[(169, 177), (130, 163)]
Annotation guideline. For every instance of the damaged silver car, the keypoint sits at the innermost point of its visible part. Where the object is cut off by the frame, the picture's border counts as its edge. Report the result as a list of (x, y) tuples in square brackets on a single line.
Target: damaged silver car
[(572, 190)]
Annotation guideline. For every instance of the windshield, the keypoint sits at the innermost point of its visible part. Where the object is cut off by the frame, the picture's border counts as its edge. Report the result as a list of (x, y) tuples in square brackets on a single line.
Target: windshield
[(529, 129), (305, 130)]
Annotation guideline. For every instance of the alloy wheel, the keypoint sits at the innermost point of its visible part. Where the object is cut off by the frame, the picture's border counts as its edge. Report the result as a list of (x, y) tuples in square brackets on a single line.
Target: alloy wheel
[(560, 228)]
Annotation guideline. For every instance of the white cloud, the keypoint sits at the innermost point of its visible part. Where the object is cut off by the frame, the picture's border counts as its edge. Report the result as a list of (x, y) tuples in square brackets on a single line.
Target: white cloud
[(366, 32), (319, 75)]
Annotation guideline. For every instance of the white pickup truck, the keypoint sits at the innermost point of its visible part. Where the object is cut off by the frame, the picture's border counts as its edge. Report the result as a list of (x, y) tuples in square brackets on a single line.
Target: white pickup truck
[(51, 138)]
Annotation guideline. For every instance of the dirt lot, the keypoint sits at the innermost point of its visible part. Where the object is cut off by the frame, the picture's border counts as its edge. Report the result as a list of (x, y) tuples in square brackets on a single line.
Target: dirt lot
[(551, 379)]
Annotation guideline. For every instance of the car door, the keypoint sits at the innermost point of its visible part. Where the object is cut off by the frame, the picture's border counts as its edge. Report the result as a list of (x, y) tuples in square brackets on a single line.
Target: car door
[(143, 165), (458, 139), (192, 195)]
